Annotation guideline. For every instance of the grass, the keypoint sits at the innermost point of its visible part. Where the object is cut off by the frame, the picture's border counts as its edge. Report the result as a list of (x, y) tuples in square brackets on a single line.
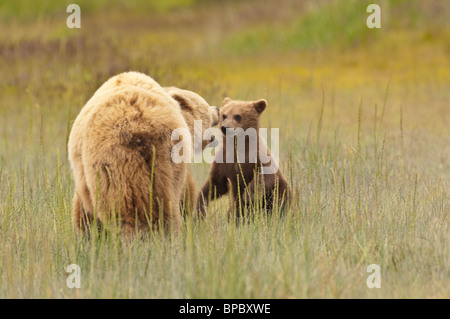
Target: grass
[(363, 117)]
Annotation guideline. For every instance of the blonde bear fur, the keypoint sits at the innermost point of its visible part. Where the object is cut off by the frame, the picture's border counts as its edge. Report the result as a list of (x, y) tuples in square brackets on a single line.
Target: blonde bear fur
[(193, 108), (120, 153)]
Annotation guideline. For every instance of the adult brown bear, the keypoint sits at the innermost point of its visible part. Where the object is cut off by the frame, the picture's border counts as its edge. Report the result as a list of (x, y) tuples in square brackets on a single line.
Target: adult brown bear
[(120, 149)]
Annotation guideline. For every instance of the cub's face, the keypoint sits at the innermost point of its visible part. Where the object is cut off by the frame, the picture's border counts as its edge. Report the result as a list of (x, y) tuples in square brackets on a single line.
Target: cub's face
[(195, 108), (240, 114)]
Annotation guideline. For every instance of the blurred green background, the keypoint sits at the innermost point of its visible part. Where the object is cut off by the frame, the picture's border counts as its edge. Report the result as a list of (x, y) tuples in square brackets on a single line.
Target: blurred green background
[(286, 51)]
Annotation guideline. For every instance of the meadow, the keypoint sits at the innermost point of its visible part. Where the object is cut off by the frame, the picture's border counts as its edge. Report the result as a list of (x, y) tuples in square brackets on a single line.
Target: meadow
[(364, 142)]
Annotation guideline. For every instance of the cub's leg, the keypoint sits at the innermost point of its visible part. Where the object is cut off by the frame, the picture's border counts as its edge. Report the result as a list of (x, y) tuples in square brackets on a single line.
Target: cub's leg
[(270, 192), (213, 188)]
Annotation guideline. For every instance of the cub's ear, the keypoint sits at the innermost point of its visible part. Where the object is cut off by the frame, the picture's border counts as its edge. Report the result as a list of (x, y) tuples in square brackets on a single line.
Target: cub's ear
[(226, 100), (260, 105)]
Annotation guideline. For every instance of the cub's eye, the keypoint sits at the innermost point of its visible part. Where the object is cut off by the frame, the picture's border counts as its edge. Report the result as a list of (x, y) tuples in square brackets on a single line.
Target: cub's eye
[(224, 116), (237, 117)]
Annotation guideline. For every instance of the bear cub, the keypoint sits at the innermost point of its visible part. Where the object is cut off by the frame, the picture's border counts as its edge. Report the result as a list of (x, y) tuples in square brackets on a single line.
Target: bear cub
[(243, 176)]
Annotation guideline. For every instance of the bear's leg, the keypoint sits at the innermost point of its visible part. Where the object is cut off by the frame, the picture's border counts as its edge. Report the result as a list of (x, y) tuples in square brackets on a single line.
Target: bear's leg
[(150, 205), (166, 211), (272, 193), (212, 189), (127, 232), (260, 194), (82, 218), (79, 216), (187, 203), (284, 194), (82, 207), (244, 197), (169, 194), (267, 193)]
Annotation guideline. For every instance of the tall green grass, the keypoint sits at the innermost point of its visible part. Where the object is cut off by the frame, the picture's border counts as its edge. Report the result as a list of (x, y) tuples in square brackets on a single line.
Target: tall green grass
[(350, 209)]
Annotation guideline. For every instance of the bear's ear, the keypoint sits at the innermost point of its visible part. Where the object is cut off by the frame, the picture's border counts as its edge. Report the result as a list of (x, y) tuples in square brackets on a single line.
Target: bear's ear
[(182, 102), (260, 105), (226, 100)]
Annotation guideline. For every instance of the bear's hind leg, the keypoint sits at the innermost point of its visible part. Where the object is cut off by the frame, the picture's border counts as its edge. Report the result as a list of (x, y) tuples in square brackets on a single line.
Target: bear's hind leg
[(83, 219), (213, 188)]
